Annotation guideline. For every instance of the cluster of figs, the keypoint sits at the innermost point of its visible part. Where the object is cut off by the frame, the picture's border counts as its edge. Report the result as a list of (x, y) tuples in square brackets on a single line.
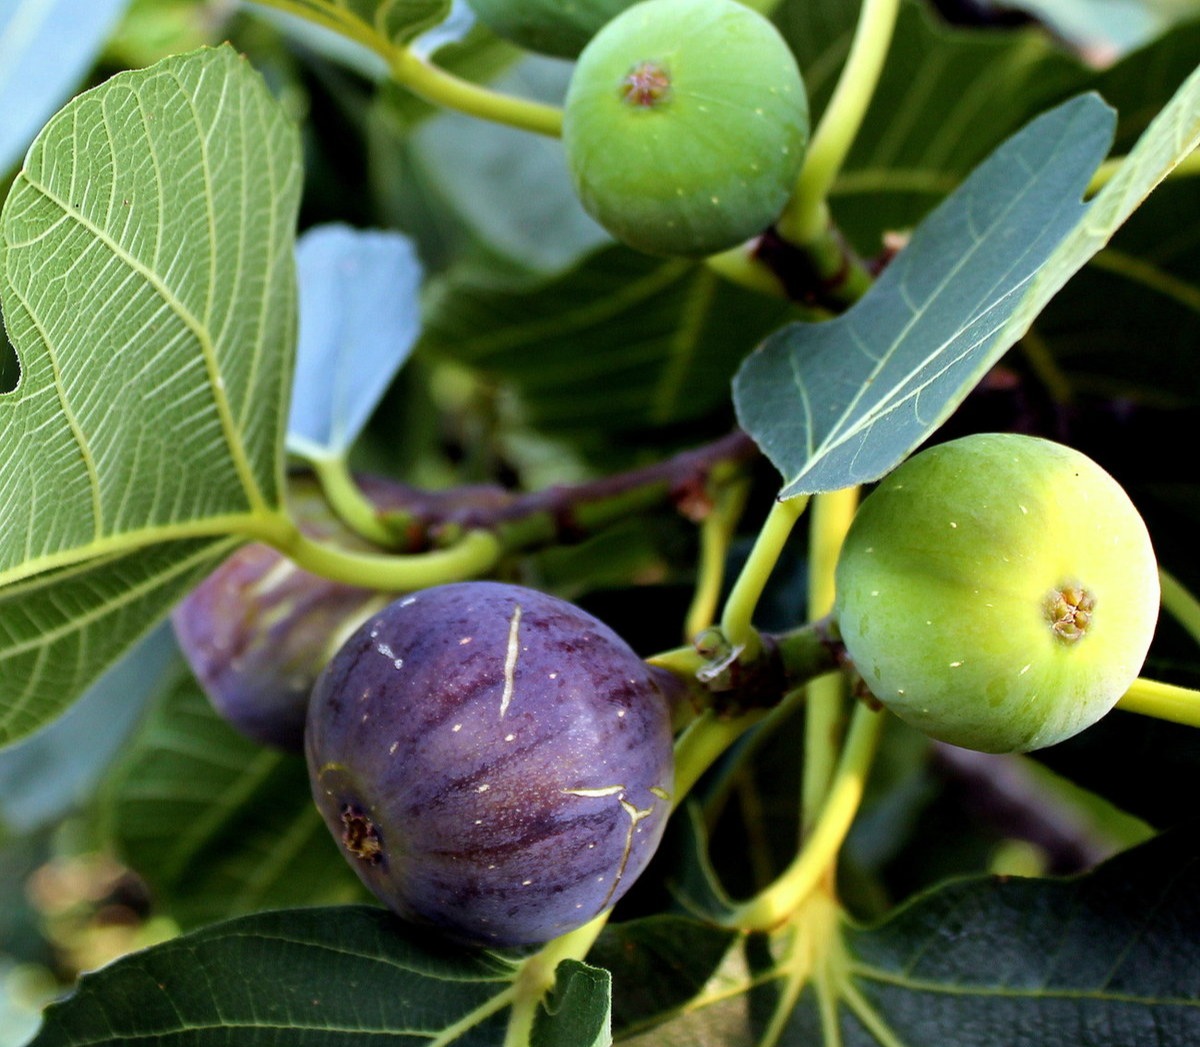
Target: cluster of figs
[(497, 763)]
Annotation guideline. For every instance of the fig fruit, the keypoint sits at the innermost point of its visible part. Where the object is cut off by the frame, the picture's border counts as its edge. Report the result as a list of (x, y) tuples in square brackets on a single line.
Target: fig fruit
[(998, 592), (492, 760), (258, 630), (685, 125), (551, 27)]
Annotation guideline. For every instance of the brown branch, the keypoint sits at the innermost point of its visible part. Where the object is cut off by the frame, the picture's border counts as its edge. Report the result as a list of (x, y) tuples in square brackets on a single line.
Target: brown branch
[(563, 513)]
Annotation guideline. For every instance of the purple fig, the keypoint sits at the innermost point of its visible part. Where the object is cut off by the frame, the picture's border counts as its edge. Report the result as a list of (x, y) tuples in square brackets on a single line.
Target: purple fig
[(492, 760)]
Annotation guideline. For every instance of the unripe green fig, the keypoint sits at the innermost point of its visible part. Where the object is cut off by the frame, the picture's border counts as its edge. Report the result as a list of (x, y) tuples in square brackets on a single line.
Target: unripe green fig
[(998, 592), (550, 27), (685, 125)]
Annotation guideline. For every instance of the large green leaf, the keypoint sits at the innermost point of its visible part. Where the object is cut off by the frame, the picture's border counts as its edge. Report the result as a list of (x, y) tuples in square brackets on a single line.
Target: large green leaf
[(947, 97), (147, 280), (216, 824), (321, 978), (1127, 325), (60, 631), (1109, 960), (578, 1012), (660, 338), (335, 977), (842, 403)]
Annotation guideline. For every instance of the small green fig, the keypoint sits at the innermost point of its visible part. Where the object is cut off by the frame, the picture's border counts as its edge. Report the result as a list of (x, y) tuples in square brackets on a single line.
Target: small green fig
[(550, 27), (685, 125), (998, 592)]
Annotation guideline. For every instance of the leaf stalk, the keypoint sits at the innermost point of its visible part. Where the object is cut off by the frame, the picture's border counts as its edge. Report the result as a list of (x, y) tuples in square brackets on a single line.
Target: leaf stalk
[(807, 215), (816, 858), (1164, 701), (832, 513)]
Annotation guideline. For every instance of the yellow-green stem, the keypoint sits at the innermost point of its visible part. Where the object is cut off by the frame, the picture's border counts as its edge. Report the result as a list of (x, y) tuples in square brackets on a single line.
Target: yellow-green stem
[(831, 518), (436, 85), (474, 554), (818, 856), (716, 533), (806, 215), (702, 744), (748, 589), (536, 977), (1180, 604), (347, 500), (738, 266), (1164, 701), (423, 78)]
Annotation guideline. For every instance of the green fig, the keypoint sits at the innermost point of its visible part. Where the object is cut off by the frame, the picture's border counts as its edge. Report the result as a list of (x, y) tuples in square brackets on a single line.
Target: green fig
[(998, 592), (685, 125)]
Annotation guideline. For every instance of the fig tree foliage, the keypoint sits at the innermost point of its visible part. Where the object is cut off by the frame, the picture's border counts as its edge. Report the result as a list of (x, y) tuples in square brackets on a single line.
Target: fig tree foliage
[(608, 337)]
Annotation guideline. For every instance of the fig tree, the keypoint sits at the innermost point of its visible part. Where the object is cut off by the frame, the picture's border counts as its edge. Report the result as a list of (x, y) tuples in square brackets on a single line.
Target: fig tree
[(685, 125), (492, 760), (999, 592)]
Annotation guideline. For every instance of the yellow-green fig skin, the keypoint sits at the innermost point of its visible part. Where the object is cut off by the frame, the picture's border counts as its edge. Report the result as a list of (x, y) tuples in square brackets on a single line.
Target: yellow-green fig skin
[(711, 158), (998, 592)]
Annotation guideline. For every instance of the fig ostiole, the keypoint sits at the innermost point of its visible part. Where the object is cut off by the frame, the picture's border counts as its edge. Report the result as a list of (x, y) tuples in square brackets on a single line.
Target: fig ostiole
[(685, 125), (492, 760), (999, 592)]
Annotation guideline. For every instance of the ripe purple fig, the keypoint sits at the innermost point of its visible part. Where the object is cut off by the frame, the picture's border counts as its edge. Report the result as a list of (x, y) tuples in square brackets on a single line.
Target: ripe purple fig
[(492, 760), (258, 630)]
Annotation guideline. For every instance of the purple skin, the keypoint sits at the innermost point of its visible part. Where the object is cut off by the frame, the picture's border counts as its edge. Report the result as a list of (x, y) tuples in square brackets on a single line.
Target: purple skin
[(257, 632), (492, 760)]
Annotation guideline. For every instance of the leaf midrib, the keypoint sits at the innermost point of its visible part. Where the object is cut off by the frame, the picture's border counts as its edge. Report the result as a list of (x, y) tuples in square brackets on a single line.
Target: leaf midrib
[(268, 525), (876, 974), (254, 495)]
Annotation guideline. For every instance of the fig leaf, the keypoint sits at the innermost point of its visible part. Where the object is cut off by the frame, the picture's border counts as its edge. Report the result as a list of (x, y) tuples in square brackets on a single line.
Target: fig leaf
[(140, 435), (843, 402), (359, 318)]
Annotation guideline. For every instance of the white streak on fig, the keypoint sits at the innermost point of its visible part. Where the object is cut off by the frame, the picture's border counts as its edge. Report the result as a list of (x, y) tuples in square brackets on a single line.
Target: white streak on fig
[(606, 790), (510, 659)]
